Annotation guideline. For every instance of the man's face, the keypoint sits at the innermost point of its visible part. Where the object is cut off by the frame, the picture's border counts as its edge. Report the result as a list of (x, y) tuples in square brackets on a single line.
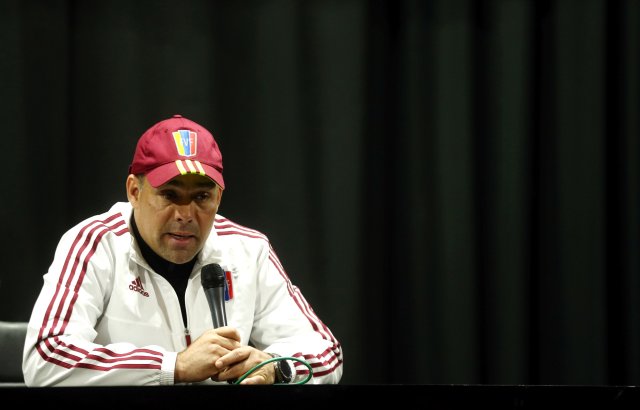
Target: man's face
[(176, 218)]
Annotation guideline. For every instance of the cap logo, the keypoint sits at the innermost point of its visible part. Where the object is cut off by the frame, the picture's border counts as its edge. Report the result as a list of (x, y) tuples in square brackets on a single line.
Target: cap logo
[(186, 142)]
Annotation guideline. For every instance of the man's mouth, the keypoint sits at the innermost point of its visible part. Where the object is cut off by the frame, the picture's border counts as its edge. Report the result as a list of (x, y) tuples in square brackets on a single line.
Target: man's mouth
[(181, 236)]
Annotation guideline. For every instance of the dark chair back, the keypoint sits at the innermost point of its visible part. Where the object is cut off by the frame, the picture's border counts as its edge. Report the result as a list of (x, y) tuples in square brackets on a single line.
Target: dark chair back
[(12, 336)]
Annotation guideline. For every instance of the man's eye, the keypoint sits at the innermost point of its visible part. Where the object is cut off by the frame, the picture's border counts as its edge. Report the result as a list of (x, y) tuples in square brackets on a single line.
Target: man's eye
[(203, 196), (168, 194)]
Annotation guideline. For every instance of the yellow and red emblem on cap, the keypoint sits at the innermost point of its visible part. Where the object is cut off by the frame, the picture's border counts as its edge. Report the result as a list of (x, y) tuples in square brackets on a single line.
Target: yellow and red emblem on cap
[(187, 146), (186, 142)]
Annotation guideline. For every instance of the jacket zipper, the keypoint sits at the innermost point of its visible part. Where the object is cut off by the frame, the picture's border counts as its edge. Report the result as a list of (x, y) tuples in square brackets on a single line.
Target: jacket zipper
[(187, 336)]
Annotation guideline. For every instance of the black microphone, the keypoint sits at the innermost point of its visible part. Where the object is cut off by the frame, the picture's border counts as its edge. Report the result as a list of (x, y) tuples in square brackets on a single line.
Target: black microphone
[(212, 278)]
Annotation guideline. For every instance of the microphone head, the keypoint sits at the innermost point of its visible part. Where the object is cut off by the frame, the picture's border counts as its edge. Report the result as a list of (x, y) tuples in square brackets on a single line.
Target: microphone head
[(212, 276)]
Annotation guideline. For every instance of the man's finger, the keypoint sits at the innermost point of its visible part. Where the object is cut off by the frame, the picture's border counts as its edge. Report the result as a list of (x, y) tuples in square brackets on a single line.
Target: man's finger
[(232, 357)]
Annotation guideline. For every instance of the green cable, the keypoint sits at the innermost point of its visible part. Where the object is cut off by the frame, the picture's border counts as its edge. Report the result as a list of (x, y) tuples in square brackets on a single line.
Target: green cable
[(275, 359)]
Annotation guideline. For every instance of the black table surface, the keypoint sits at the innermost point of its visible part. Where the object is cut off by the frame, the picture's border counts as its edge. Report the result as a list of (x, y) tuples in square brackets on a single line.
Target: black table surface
[(290, 396)]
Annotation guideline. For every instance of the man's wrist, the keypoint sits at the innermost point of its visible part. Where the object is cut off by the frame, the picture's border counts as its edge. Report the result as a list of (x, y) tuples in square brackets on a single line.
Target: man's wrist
[(282, 370)]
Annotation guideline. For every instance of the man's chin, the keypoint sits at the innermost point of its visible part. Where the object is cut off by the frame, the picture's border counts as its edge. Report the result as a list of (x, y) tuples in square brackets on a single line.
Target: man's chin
[(179, 257)]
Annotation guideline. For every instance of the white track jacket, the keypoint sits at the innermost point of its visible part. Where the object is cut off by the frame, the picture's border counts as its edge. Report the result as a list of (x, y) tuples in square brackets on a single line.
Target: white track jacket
[(104, 317)]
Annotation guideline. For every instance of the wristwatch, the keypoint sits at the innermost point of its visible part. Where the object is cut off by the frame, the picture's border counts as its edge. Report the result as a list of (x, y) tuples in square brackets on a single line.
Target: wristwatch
[(282, 370)]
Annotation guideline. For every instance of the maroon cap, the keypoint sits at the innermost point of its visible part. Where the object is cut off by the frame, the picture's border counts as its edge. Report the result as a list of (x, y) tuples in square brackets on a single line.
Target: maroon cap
[(177, 146)]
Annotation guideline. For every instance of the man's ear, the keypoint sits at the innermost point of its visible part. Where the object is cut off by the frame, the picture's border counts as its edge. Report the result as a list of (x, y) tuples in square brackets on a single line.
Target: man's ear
[(220, 191), (133, 189)]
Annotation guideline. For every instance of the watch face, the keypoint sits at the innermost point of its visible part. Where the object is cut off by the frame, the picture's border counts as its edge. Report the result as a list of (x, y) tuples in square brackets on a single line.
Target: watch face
[(285, 371)]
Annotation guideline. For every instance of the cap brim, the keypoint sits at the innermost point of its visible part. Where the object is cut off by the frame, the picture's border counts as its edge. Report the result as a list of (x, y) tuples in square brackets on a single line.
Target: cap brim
[(164, 173)]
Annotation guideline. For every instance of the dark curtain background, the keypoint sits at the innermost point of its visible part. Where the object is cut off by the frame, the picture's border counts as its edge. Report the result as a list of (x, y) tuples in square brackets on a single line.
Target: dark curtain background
[(453, 184)]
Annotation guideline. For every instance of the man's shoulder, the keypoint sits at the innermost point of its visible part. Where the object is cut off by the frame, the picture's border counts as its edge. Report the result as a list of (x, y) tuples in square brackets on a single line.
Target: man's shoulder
[(115, 220), (226, 228)]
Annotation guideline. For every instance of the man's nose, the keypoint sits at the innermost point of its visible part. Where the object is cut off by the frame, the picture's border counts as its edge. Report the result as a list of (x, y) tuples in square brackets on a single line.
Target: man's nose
[(184, 212)]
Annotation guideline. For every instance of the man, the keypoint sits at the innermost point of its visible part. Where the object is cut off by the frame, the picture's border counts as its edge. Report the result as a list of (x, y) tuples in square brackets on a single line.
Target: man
[(123, 302)]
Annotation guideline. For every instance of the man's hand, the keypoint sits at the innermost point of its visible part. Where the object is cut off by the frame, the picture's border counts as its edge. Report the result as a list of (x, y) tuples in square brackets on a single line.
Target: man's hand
[(237, 362), (199, 361)]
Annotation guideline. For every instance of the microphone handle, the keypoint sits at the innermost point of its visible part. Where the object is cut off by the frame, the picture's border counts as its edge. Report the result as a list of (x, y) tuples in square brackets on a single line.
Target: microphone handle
[(215, 297)]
